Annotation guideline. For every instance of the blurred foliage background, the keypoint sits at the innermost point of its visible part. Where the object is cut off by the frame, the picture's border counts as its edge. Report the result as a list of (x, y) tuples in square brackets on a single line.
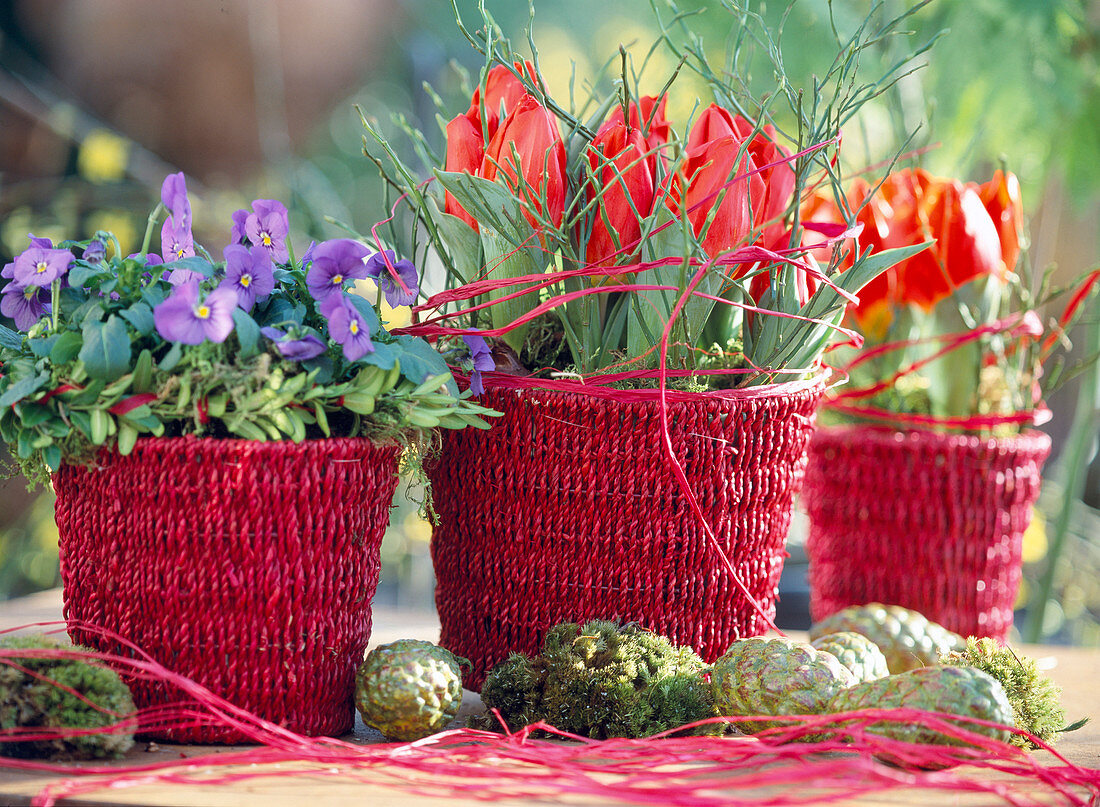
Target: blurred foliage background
[(99, 99)]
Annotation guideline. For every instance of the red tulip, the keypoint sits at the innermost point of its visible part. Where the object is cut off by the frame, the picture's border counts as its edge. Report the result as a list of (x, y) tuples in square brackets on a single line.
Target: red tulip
[(465, 151), (651, 121), (1001, 197), (912, 207), (533, 133), (712, 167), (617, 158), (778, 180), (503, 92), (466, 135)]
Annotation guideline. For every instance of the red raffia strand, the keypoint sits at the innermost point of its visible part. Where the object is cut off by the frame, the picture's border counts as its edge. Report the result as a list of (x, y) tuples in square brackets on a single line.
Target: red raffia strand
[(1070, 311), (812, 759)]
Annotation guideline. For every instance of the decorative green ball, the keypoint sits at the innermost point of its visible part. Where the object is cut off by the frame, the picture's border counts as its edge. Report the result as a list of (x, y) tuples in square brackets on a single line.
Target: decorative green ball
[(42, 700), (761, 676), (408, 689), (856, 652)]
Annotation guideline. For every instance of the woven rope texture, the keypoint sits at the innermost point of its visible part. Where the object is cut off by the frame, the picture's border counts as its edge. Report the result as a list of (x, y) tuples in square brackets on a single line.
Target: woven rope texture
[(929, 521), (568, 510), (246, 566)]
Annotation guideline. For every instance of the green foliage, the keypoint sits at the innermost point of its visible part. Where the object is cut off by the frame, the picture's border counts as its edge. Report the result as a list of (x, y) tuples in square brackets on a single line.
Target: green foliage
[(1035, 699), (97, 373), (519, 237), (601, 680), (35, 697)]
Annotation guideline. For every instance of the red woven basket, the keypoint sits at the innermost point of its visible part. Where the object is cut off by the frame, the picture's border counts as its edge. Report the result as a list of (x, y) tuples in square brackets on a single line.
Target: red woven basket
[(929, 521), (248, 567), (568, 510)]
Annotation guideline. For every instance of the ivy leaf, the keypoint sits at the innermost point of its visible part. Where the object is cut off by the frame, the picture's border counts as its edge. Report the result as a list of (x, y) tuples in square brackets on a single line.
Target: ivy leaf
[(106, 349)]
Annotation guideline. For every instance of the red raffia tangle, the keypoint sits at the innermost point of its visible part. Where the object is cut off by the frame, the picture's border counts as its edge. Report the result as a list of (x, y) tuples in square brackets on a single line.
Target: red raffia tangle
[(811, 759), (1016, 326), (1070, 311), (132, 403)]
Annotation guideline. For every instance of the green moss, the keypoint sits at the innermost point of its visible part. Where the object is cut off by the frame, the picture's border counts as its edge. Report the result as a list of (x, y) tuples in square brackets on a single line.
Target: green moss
[(38, 698), (1035, 699), (601, 680)]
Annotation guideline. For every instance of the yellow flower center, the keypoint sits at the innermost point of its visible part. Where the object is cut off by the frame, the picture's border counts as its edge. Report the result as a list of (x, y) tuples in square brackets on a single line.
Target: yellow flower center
[(41, 267), (267, 239), (180, 251), (246, 280), (203, 312), (353, 326), (337, 280)]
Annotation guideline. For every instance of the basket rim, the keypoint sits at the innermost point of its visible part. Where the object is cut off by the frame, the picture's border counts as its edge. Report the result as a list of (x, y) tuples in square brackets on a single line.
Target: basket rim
[(917, 438), (148, 445), (569, 388)]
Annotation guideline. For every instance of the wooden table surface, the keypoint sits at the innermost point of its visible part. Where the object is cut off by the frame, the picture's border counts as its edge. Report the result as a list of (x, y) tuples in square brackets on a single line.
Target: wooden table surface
[(1076, 670)]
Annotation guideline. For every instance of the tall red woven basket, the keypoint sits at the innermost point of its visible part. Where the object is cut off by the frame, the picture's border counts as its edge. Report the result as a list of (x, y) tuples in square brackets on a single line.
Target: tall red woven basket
[(929, 521), (568, 510), (246, 566)]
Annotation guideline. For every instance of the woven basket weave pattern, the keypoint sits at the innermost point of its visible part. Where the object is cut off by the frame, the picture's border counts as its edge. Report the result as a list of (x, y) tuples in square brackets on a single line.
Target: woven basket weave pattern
[(567, 510), (928, 521), (248, 567)]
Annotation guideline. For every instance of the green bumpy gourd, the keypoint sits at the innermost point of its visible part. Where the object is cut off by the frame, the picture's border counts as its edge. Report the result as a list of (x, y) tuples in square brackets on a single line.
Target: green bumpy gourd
[(1035, 699), (761, 676), (41, 700), (907, 638), (962, 691), (856, 652), (601, 680), (409, 689)]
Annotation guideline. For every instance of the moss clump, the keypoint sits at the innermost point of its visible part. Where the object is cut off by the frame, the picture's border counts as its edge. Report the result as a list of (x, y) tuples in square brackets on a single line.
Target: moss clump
[(1035, 699), (36, 697), (601, 680)]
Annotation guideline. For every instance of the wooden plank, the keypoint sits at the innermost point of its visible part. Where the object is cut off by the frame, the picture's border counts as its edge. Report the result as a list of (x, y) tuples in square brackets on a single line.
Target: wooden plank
[(1076, 670)]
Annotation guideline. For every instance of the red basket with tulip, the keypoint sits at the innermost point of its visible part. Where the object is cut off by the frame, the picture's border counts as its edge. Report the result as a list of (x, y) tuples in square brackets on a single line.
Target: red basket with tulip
[(656, 319), (920, 490)]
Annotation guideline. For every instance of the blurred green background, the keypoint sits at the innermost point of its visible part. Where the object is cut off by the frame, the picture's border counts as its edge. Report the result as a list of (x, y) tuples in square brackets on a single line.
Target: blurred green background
[(99, 99)]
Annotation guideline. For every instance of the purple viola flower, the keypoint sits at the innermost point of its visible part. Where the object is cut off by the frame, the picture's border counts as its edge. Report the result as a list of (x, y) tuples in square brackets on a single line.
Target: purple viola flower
[(237, 231), (307, 257), (334, 263), (176, 242), (482, 357), (186, 318), (95, 252), (295, 348), (39, 266), (24, 304), (248, 271), (386, 270), (346, 327), (177, 277), (173, 194), (267, 227)]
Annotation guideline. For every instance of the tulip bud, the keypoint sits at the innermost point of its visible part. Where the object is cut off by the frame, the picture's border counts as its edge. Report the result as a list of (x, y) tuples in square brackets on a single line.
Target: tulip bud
[(624, 178)]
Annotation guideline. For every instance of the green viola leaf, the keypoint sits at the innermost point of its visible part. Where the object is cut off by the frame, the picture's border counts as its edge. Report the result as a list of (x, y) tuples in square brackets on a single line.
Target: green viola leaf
[(140, 315), (171, 358), (20, 389), (106, 348), (419, 360), (384, 355), (9, 339), (66, 348), (42, 346), (80, 274), (191, 264), (248, 333)]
